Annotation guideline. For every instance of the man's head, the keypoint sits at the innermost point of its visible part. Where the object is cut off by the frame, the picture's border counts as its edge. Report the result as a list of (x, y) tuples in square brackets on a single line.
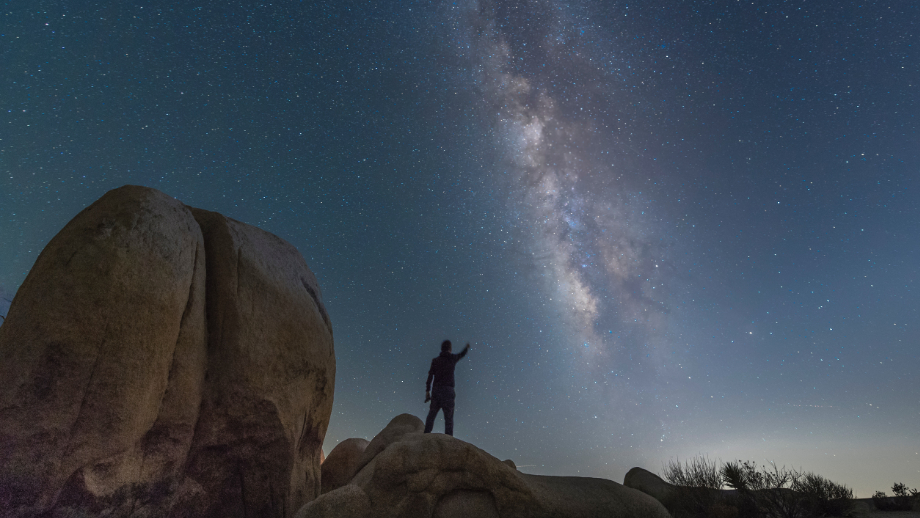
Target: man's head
[(445, 346)]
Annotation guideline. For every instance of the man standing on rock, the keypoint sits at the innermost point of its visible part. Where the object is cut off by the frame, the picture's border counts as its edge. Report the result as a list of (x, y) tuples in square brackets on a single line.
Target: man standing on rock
[(442, 370)]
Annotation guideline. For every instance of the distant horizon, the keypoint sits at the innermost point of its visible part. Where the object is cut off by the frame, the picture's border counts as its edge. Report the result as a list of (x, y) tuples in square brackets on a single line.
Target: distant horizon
[(864, 492)]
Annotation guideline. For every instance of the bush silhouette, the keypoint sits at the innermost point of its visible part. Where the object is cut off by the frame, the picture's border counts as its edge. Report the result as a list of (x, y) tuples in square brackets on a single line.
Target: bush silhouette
[(696, 482), (765, 492), (823, 497), (903, 499)]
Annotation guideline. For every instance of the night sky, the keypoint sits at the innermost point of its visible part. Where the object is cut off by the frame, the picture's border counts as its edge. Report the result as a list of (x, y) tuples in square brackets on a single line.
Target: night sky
[(666, 228)]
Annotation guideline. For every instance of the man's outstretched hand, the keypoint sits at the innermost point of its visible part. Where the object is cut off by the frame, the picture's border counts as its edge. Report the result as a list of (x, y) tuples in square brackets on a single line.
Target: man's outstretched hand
[(427, 396)]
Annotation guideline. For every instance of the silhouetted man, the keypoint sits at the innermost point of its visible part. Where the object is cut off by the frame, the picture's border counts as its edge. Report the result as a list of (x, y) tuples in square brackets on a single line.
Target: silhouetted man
[(442, 370)]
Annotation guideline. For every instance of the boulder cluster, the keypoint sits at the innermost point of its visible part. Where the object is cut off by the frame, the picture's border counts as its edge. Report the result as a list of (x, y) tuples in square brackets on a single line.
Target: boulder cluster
[(166, 361), (405, 473), (162, 360)]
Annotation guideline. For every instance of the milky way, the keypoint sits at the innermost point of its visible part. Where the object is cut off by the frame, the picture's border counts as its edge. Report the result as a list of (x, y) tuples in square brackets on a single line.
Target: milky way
[(584, 228)]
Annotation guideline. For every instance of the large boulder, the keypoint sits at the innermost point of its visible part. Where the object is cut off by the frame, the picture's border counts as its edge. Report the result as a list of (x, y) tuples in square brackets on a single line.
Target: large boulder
[(436, 475), (140, 376), (102, 356), (342, 463), (270, 378)]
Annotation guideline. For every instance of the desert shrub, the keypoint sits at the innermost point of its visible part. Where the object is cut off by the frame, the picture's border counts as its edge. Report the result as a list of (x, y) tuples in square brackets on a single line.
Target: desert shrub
[(696, 472), (764, 492), (883, 502), (901, 501), (760, 492), (823, 497), (696, 482), (900, 490), (905, 497)]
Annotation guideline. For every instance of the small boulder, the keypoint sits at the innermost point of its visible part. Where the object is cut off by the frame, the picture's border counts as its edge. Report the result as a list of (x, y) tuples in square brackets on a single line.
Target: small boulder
[(394, 431), (650, 484), (342, 463), (680, 499)]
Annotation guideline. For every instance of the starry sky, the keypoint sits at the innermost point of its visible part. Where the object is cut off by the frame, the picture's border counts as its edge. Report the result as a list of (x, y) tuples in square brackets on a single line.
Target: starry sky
[(667, 229)]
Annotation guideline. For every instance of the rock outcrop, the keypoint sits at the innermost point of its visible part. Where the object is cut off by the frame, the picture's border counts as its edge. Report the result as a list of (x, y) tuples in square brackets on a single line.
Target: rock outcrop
[(435, 475), (342, 463), (681, 500), (392, 432), (162, 360), (650, 484)]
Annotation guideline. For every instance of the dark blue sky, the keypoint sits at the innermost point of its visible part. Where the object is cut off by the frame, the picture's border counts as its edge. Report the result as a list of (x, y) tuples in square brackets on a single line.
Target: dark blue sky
[(667, 229)]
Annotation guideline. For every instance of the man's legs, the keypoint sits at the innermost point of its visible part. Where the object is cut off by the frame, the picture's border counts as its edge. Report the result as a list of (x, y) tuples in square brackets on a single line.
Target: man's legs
[(449, 417), (442, 398), (433, 413), (446, 397)]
